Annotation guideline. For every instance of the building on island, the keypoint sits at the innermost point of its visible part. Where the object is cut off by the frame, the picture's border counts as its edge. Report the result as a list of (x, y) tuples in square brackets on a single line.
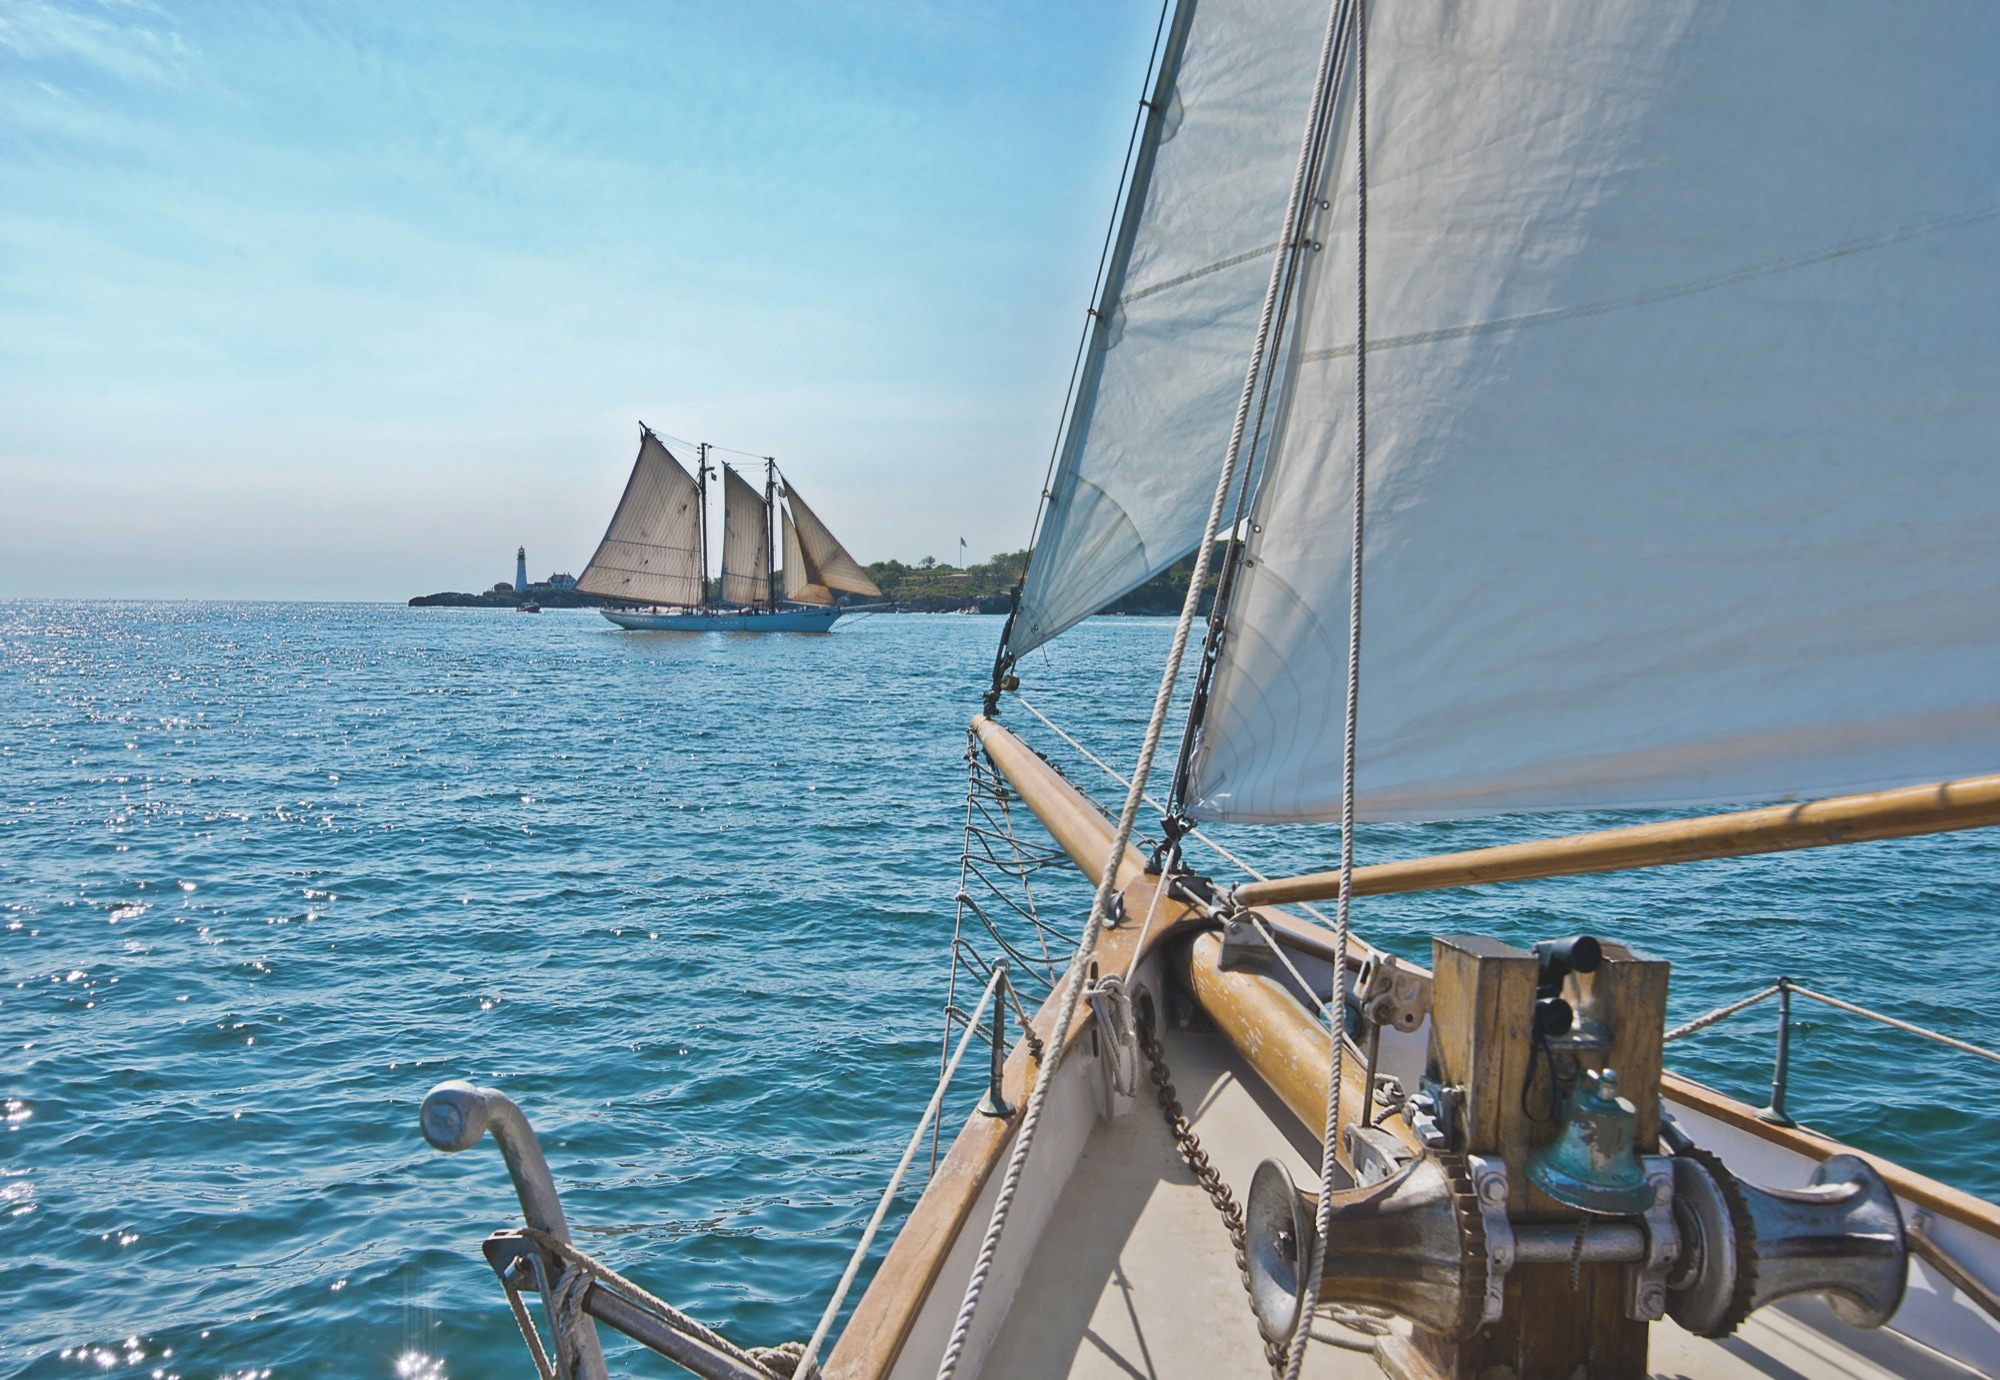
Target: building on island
[(565, 580)]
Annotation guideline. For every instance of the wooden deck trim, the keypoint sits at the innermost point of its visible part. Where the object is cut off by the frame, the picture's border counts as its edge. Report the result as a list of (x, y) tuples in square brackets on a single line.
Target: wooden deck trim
[(1912, 1187), (1280, 1043), (872, 1342), (873, 1339)]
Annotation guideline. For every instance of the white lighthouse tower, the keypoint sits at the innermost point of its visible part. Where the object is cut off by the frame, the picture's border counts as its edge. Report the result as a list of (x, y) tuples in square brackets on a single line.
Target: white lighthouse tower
[(521, 569)]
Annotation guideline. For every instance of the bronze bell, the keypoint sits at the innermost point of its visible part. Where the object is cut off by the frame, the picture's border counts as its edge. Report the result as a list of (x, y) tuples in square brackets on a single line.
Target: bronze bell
[(1591, 1165)]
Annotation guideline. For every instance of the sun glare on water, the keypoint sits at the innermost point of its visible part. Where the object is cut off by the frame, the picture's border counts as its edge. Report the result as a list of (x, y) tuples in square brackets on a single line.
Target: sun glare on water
[(414, 1365)]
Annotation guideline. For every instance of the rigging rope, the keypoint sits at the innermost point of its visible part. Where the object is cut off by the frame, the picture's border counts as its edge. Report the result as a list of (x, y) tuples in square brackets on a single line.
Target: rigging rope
[(1296, 1355), (1072, 987), (804, 1366), (580, 1269), (1195, 834)]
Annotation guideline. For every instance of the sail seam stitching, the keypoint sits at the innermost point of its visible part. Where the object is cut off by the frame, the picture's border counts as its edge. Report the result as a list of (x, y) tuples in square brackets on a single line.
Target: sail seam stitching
[(1188, 277), (1665, 294)]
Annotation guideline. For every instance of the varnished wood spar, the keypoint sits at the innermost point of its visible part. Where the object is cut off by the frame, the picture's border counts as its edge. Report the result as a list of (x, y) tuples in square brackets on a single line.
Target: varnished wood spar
[(1287, 1047), (1289, 1039), (874, 1336), (1973, 803), (1085, 834), (1064, 811)]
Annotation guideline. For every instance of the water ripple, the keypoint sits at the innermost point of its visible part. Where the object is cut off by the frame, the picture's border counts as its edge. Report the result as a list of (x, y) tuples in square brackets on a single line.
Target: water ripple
[(275, 870)]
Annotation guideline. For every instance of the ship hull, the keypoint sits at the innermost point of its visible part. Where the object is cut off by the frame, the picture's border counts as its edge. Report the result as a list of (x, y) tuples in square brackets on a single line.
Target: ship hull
[(798, 620)]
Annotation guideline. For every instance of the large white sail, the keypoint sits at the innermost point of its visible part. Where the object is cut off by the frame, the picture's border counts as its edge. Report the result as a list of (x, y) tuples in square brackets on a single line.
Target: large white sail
[(651, 553), (1165, 360), (746, 542), (802, 579), (824, 555), (1684, 420)]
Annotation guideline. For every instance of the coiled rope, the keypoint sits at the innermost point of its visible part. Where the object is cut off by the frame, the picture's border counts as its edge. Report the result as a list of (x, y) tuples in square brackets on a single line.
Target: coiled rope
[(1100, 905), (1296, 1354)]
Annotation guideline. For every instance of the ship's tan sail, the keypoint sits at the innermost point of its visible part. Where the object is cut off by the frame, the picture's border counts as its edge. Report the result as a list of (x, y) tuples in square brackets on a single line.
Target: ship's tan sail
[(825, 557), (651, 553), (1683, 395), (746, 542), (1178, 308), (803, 584)]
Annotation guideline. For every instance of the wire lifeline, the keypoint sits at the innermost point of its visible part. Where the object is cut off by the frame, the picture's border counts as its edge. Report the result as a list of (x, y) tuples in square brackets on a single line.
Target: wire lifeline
[(1162, 701), (1722, 1012), (1296, 1353), (1325, 1009), (805, 1363), (993, 850)]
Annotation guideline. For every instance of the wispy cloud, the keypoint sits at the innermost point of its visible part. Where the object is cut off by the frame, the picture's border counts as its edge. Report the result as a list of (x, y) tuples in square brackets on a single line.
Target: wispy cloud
[(418, 251), (127, 39)]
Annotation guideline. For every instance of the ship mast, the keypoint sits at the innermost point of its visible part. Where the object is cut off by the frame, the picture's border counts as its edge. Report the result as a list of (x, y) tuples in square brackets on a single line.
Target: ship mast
[(701, 515), (771, 532)]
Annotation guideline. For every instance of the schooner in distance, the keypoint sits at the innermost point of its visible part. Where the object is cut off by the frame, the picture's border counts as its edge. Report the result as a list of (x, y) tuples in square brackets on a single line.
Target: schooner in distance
[(655, 553)]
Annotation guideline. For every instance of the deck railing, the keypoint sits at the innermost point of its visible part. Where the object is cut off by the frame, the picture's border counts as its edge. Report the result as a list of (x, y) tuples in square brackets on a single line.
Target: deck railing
[(1783, 989)]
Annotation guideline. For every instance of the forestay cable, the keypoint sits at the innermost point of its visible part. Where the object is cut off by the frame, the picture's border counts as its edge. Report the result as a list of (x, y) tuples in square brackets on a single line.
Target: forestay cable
[(1135, 795)]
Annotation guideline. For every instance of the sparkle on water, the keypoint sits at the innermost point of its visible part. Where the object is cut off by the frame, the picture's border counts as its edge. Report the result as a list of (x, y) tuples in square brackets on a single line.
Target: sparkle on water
[(275, 870)]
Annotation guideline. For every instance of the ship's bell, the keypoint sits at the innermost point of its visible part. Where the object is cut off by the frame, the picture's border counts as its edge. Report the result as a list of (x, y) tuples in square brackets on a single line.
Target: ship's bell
[(1591, 1166), (1411, 1244)]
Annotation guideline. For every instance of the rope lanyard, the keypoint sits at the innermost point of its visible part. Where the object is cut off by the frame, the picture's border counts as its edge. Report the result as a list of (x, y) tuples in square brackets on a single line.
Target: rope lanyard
[(805, 1364), (1135, 796), (1296, 1355)]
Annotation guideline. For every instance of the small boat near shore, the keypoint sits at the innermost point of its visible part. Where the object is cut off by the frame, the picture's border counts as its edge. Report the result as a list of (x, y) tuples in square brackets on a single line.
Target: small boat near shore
[(655, 552)]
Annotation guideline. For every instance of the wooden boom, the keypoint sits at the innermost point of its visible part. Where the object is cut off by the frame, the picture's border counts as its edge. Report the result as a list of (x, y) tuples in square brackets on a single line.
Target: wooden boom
[(1968, 804)]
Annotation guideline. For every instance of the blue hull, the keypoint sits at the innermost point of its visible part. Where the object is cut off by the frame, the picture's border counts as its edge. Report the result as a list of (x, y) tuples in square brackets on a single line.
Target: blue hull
[(812, 620)]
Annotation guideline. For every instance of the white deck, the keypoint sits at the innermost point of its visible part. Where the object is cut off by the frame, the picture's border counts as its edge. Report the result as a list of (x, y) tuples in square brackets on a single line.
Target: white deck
[(1133, 1275)]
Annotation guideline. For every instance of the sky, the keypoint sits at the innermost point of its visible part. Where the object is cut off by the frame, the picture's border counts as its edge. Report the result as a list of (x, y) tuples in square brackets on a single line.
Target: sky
[(316, 301)]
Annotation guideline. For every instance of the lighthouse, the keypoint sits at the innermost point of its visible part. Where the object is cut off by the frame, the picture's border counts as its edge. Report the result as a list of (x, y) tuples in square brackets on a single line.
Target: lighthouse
[(521, 568)]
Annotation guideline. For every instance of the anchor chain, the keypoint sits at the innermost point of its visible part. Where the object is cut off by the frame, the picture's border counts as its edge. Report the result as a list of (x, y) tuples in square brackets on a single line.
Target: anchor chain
[(1196, 1158)]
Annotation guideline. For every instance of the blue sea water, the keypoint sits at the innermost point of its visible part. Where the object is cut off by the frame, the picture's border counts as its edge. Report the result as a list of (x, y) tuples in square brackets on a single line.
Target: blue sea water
[(269, 872)]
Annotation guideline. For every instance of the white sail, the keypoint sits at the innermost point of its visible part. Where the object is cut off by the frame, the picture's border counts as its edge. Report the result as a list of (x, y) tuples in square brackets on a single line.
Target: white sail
[(1684, 420), (825, 556), (803, 584), (651, 553), (1165, 360), (746, 542)]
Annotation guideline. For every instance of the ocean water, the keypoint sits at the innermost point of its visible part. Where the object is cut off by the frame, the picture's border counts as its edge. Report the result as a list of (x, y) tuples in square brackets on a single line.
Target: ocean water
[(269, 872)]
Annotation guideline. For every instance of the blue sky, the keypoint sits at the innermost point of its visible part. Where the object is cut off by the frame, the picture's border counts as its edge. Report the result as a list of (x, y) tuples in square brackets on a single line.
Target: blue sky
[(347, 301)]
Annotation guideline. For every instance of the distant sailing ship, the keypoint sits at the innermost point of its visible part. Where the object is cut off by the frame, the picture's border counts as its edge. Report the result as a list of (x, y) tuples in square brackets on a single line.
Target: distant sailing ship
[(655, 553)]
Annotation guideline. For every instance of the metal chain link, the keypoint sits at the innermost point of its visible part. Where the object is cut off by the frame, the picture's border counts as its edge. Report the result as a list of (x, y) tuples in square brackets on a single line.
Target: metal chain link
[(1196, 1158)]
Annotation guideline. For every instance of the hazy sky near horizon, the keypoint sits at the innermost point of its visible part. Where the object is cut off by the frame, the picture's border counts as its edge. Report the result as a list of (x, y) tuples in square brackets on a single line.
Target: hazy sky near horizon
[(348, 301)]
